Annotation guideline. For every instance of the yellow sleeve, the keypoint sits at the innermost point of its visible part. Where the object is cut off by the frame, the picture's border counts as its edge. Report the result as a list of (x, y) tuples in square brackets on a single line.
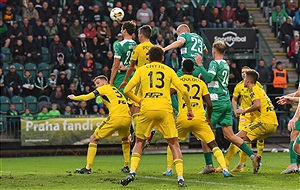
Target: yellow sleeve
[(179, 86), (131, 84), (236, 91), (135, 53), (85, 97), (259, 85), (205, 89)]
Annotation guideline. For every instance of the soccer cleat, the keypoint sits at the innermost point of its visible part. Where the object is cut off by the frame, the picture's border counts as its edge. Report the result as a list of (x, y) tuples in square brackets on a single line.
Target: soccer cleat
[(84, 171), (129, 178), (167, 173), (256, 163), (125, 169), (291, 169), (181, 183), (238, 168), (207, 170), (226, 173)]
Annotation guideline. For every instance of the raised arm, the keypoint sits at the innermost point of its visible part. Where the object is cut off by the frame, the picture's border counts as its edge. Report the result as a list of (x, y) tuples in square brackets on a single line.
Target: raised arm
[(175, 44), (114, 70)]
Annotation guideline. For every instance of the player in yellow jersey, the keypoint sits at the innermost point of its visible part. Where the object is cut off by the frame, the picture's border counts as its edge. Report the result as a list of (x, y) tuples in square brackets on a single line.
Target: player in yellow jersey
[(119, 119), (265, 123), (199, 126), (241, 93), (155, 81), (139, 58)]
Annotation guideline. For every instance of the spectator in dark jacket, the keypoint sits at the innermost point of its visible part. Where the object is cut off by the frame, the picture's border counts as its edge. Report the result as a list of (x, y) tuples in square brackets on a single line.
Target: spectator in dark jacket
[(96, 16), (87, 70), (39, 33), (201, 14), (130, 13), (15, 33), (40, 85), (264, 72), (215, 19), (45, 12), (13, 120), (18, 52), (177, 15), (13, 82), (286, 32), (55, 48), (27, 84), (60, 66), (32, 50), (160, 15), (241, 15)]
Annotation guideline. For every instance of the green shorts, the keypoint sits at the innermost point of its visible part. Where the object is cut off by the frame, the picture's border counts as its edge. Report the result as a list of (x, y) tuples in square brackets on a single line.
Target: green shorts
[(297, 125), (221, 113), (196, 71)]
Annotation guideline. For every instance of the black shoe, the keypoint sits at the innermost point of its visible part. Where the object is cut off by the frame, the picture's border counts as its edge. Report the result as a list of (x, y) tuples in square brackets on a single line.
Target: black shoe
[(148, 141), (181, 183), (129, 178), (84, 171), (125, 169)]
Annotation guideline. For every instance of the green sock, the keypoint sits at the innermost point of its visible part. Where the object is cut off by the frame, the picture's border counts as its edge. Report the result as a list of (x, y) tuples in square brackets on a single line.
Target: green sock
[(244, 147), (208, 158), (298, 159), (293, 155)]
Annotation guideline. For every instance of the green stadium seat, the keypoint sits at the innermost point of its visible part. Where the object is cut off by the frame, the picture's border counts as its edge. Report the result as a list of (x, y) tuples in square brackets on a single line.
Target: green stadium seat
[(31, 103), (19, 103), (44, 98), (18, 18), (45, 55), (19, 69), (170, 4), (98, 68), (5, 104), (7, 53), (32, 69), (5, 68), (72, 67), (45, 68)]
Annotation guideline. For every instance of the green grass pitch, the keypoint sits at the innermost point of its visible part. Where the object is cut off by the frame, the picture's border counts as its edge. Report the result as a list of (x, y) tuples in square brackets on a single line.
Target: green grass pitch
[(58, 173)]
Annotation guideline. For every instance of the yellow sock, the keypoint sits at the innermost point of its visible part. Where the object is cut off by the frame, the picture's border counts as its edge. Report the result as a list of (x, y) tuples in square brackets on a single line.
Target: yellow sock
[(232, 150), (219, 156), (260, 145), (126, 152), (169, 158), (179, 166), (91, 153), (243, 155), (135, 160)]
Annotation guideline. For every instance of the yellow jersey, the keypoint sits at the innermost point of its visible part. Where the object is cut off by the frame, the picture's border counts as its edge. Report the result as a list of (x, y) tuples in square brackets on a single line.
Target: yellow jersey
[(196, 89), (243, 93), (155, 81), (266, 113), (113, 99), (140, 54)]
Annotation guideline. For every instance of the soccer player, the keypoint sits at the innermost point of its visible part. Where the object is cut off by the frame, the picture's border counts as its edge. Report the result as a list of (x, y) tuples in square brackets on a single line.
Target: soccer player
[(119, 119), (122, 55), (139, 58), (155, 81), (199, 125), (292, 125), (294, 158), (191, 44), (241, 93), (217, 78)]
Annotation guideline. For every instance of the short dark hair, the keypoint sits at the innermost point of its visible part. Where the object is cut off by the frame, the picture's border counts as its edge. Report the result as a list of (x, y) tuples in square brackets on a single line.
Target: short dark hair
[(156, 53), (253, 75), (129, 26), (188, 65), (145, 30)]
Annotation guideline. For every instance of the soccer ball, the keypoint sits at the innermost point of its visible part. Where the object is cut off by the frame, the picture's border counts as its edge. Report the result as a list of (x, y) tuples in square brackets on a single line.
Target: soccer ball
[(117, 14), (274, 150)]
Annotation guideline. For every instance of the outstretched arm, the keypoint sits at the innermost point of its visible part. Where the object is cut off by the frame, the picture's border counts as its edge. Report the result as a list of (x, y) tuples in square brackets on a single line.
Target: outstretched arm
[(175, 44), (207, 75), (84, 97)]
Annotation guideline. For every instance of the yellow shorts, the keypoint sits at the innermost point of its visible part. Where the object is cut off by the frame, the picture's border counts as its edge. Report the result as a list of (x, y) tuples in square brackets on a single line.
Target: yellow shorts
[(199, 127), (258, 130), (245, 120), (162, 120), (112, 124)]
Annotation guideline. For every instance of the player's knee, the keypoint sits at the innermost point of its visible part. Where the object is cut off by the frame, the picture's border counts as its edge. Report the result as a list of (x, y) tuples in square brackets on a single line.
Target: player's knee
[(212, 144), (297, 148)]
